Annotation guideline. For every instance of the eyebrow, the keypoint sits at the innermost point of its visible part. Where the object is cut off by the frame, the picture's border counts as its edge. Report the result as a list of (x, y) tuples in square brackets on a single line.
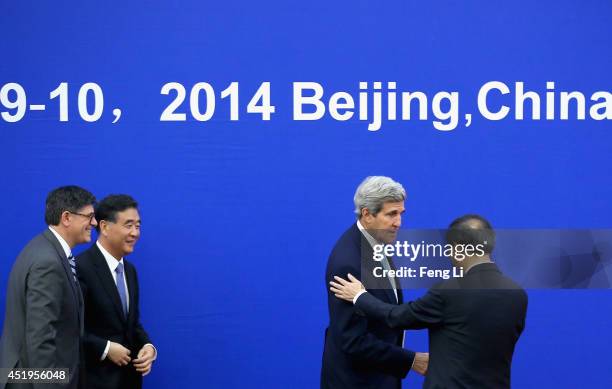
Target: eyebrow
[(395, 211)]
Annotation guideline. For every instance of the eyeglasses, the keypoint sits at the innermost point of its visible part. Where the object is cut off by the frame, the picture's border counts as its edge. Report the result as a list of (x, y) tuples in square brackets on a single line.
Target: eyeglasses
[(90, 216)]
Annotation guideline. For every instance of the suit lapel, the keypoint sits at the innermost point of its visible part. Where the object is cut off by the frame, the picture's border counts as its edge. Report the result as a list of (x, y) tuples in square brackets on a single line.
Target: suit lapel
[(130, 278), (368, 265), (64, 261), (106, 278)]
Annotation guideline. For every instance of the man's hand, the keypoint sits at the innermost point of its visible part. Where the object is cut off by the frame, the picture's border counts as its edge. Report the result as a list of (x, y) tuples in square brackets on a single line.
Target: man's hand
[(118, 354), (346, 290), (421, 362), (145, 359)]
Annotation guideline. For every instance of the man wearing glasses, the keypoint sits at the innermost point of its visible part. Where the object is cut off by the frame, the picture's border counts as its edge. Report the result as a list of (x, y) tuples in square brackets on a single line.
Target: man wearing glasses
[(117, 348), (43, 322)]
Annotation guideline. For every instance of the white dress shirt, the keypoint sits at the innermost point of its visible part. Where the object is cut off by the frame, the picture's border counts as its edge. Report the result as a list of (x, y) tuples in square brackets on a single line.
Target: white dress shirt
[(372, 243), (113, 263), (63, 243)]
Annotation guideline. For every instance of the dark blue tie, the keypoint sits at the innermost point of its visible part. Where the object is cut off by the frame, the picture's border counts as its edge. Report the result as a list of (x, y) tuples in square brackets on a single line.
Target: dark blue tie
[(72, 266), (121, 288)]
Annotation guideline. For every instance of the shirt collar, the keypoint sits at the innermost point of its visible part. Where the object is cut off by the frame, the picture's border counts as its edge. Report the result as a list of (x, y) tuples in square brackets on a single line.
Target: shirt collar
[(111, 261), (62, 242), (373, 242), (476, 265)]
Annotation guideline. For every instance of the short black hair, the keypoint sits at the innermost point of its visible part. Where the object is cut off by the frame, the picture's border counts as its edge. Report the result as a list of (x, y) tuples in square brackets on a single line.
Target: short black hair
[(109, 206), (471, 229), (66, 198)]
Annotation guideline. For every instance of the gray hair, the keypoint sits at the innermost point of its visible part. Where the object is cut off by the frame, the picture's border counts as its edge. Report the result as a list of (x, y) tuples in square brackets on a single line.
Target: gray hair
[(374, 191)]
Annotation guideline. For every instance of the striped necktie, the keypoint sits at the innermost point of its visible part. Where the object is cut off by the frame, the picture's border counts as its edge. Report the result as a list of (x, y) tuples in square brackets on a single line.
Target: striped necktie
[(73, 267)]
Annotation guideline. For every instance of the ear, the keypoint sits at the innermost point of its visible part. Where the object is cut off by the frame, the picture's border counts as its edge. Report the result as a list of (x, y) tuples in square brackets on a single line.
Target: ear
[(65, 219), (365, 213), (103, 227)]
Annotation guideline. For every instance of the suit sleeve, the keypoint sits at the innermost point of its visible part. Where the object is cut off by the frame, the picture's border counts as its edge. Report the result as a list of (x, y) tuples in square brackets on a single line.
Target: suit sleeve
[(44, 295), (140, 335), (425, 312), (350, 328), (43, 307)]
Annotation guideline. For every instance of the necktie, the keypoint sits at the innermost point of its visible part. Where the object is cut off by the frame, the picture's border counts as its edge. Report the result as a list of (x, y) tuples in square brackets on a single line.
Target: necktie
[(387, 266), (121, 288), (72, 264)]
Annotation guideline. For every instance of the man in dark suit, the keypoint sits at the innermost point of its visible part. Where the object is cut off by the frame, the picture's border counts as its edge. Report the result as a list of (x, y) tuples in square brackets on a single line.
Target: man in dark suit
[(43, 322), (359, 352), (118, 349), (474, 321)]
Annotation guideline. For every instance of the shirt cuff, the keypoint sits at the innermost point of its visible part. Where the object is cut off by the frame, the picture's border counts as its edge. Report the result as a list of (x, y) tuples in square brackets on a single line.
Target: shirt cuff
[(357, 296), (154, 349), (105, 353)]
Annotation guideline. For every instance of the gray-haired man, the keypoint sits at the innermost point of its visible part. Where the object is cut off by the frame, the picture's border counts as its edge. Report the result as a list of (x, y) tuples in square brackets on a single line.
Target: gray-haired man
[(360, 353)]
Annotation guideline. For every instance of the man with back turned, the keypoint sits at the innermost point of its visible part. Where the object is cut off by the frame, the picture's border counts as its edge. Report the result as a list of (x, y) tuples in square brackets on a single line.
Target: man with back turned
[(474, 321), (43, 323)]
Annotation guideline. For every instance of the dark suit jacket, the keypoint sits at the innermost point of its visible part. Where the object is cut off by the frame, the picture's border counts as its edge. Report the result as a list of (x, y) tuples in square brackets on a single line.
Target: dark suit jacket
[(105, 320), (43, 323), (474, 323), (358, 352)]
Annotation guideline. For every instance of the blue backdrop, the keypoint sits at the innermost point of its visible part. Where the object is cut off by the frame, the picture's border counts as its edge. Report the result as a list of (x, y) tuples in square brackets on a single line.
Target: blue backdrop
[(239, 217)]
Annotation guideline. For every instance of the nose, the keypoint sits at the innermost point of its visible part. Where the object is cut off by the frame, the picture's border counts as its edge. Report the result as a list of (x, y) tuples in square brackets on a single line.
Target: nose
[(397, 223), (135, 232), (93, 222)]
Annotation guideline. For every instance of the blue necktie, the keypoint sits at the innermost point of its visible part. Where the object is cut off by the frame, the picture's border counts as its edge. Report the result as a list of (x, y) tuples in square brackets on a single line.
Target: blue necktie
[(121, 288), (72, 267)]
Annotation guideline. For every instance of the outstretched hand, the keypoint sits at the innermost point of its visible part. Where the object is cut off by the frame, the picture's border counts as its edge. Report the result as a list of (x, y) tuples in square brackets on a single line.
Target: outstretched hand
[(346, 290)]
